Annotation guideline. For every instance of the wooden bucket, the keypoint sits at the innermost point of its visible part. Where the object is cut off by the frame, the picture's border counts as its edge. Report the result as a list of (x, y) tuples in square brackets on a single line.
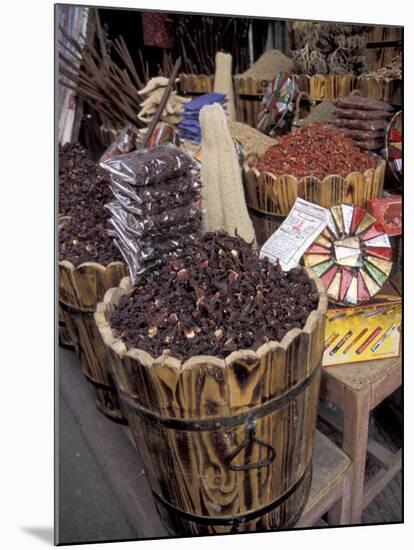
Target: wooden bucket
[(227, 444), (269, 198), (80, 289), (195, 84)]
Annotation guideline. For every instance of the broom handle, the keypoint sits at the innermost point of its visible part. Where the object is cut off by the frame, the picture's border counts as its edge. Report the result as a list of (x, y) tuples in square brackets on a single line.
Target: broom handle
[(163, 102)]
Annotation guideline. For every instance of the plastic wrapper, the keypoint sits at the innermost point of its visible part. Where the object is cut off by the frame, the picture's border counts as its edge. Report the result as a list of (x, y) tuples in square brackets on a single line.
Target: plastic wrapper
[(370, 145), (362, 135), (360, 124), (158, 227), (179, 188), (364, 103), (149, 166), (361, 114), (140, 258), (124, 143), (155, 207), (155, 222)]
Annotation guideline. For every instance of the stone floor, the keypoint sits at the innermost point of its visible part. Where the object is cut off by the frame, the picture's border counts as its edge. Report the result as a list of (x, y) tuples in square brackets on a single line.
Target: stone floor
[(101, 485)]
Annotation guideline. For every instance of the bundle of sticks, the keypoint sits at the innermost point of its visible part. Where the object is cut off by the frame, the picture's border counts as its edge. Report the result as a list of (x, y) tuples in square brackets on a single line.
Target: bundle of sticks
[(109, 88), (200, 37)]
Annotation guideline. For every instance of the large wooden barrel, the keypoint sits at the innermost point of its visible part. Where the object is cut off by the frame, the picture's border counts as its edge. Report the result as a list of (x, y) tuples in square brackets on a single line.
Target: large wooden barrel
[(80, 289), (227, 444), (269, 198)]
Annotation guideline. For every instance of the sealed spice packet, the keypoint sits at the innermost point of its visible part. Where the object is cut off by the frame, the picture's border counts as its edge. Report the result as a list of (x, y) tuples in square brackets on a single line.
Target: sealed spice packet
[(149, 166)]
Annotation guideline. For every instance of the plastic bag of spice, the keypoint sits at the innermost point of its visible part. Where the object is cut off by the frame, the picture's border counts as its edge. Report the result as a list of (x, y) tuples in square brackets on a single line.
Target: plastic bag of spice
[(163, 224), (140, 258), (360, 124), (155, 207), (184, 185), (361, 114), (364, 103), (149, 166), (149, 221)]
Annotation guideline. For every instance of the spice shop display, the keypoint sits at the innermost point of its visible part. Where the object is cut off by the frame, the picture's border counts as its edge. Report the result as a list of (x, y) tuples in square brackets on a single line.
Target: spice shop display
[(393, 146), (89, 265), (352, 256), (153, 212), (206, 352), (366, 332), (362, 119), (224, 204)]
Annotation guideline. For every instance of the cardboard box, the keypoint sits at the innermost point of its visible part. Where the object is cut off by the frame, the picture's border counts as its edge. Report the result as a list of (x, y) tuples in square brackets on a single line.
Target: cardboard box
[(365, 332), (388, 212)]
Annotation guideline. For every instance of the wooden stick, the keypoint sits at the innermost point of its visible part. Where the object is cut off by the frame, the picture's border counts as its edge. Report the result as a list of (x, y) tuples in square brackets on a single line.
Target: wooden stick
[(163, 102)]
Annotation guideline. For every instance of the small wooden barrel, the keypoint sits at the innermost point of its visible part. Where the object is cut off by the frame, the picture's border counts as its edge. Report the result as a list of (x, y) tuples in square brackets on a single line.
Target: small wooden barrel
[(227, 444), (269, 198), (80, 289), (195, 84), (67, 334)]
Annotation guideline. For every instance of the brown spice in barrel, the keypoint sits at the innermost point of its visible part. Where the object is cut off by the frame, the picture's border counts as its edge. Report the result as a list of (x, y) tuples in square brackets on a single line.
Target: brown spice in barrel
[(83, 192), (315, 150), (214, 297)]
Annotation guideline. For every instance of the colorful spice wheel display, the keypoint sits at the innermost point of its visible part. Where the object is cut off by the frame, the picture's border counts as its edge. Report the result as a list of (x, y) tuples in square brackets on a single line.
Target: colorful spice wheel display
[(352, 256), (393, 146)]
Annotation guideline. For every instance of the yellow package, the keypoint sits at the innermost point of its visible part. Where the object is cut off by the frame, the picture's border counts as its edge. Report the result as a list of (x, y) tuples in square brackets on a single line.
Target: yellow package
[(365, 332)]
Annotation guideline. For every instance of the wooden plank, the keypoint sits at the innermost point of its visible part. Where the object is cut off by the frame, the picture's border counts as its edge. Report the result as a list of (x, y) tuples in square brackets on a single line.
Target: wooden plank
[(330, 467), (384, 456), (356, 421), (384, 387), (330, 417), (381, 479), (332, 389)]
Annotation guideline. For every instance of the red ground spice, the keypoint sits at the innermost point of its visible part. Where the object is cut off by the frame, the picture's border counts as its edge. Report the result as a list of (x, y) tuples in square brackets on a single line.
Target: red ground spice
[(315, 150)]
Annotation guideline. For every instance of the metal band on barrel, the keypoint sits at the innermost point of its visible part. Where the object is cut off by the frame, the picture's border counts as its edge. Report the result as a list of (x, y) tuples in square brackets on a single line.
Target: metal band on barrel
[(236, 520), (222, 422)]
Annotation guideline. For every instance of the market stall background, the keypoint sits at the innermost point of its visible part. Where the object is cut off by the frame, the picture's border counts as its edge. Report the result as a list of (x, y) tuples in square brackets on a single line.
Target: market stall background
[(280, 85)]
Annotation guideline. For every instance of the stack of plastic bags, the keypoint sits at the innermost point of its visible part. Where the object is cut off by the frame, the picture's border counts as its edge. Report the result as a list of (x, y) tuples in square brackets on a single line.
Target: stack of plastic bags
[(153, 212), (189, 127)]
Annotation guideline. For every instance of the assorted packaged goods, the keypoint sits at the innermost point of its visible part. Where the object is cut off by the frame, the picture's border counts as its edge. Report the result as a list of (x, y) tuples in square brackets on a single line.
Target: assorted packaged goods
[(153, 213)]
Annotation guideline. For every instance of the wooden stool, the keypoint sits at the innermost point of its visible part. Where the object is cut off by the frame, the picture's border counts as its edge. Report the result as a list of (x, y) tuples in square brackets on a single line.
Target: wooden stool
[(357, 389), (331, 485)]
